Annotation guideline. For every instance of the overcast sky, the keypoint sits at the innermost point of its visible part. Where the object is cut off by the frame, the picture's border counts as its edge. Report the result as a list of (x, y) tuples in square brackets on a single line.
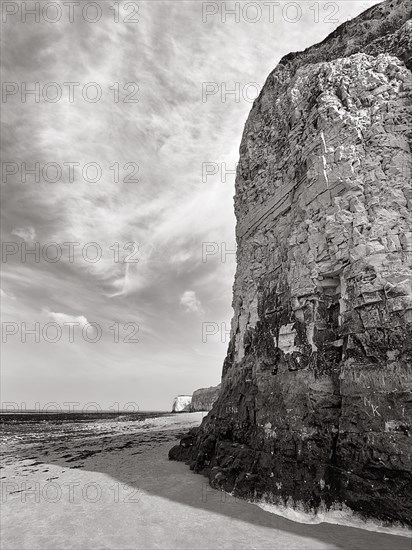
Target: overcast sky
[(148, 156)]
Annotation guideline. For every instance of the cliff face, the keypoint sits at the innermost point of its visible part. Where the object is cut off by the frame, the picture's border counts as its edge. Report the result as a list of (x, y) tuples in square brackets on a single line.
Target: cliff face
[(315, 404), (203, 399)]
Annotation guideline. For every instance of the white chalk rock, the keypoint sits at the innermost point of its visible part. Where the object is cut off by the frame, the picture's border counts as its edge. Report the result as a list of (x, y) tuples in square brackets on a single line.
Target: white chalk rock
[(182, 403)]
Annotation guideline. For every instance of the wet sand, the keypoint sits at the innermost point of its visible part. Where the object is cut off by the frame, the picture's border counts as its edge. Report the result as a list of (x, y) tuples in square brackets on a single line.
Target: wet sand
[(113, 487)]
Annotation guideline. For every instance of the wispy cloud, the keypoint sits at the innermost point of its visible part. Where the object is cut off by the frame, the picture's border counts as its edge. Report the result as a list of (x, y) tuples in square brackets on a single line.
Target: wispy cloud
[(65, 318), (26, 233), (6, 295)]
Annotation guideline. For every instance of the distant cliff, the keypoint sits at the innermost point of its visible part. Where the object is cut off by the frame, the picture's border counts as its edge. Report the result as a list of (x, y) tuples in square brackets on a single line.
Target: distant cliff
[(315, 405), (182, 403), (203, 399)]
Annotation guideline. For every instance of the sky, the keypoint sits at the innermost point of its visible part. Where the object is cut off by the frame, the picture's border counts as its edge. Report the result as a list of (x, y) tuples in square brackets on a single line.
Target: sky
[(121, 126)]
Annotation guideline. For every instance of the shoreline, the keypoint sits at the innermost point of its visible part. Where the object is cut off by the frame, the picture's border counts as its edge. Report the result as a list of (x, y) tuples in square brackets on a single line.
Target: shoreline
[(340, 515), (115, 487)]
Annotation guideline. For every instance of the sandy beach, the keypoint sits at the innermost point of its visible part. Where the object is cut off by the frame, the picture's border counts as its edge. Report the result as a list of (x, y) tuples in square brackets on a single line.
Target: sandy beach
[(111, 486)]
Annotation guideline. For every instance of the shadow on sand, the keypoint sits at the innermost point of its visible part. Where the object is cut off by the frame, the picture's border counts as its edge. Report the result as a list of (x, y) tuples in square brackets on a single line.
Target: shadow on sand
[(140, 461)]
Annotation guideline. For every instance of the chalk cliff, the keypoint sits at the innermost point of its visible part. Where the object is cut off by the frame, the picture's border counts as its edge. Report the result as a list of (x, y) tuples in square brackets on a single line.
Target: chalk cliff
[(315, 404), (182, 403), (201, 400)]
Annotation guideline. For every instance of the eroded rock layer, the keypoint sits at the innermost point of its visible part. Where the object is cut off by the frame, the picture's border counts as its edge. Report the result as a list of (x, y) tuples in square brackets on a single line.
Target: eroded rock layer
[(315, 404)]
